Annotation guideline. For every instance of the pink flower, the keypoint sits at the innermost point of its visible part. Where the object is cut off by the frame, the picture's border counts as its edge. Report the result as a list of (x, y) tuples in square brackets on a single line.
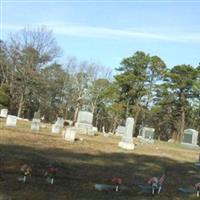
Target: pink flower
[(197, 186), (152, 180)]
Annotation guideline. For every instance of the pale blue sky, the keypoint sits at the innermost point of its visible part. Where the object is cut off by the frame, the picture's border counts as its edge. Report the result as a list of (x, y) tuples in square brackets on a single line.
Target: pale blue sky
[(108, 31)]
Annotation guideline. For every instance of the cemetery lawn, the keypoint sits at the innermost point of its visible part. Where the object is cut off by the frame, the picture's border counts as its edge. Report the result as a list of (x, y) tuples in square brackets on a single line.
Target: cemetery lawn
[(94, 159)]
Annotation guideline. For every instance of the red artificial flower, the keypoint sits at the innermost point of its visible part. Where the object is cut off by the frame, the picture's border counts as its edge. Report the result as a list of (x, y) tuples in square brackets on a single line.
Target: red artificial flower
[(52, 170), (117, 180)]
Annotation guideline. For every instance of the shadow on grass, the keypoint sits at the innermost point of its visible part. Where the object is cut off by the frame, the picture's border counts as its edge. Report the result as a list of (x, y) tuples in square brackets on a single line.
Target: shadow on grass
[(78, 172)]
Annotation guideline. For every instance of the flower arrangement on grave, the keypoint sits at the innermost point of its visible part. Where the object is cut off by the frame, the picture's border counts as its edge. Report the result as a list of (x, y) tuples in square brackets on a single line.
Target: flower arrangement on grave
[(26, 171), (154, 182), (117, 181), (50, 174)]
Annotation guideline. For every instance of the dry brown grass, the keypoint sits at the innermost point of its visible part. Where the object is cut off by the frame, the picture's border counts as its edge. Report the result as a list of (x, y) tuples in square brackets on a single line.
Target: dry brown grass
[(95, 159)]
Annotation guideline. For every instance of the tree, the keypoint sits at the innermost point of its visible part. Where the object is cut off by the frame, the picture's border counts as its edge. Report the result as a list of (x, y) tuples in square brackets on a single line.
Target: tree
[(181, 83), (30, 50), (137, 80)]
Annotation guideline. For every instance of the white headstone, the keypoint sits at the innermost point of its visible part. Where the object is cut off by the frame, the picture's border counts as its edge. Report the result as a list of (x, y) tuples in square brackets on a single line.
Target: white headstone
[(4, 113), (127, 138), (35, 125), (103, 129), (95, 129), (11, 121), (70, 135), (60, 122), (84, 122), (190, 137), (55, 129)]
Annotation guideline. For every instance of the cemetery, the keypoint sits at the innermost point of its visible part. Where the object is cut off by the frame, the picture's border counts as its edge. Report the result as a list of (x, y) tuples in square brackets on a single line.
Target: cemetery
[(99, 100), (46, 165)]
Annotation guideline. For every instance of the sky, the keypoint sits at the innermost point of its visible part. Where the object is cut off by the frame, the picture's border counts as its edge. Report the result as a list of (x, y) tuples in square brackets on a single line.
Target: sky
[(105, 32)]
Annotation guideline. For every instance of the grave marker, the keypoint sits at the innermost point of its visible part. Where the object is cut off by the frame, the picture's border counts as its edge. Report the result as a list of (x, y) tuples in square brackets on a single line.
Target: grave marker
[(11, 121), (127, 138), (4, 113)]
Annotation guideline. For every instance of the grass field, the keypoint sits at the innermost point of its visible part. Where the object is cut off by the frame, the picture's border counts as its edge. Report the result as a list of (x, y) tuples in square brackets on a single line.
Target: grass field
[(95, 159)]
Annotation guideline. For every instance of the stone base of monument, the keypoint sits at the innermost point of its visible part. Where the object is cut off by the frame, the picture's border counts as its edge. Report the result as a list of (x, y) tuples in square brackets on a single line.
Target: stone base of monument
[(84, 128), (91, 132), (127, 146)]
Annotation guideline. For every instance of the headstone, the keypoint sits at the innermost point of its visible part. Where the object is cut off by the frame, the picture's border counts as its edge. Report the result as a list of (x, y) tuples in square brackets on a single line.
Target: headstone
[(56, 128), (84, 122), (35, 125), (4, 113), (11, 121), (190, 137), (120, 130), (70, 135), (95, 129), (60, 122), (127, 138), (147, 135)]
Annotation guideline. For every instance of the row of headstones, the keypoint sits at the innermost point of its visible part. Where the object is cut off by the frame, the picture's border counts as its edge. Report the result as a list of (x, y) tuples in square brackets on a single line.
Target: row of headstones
[(83, 125), (146, 134), (69, 134)]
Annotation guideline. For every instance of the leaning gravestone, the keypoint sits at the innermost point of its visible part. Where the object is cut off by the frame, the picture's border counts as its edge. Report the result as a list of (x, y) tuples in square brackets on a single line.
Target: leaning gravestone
[(4, 113), (127, 138), (70, 135), (84, 122), (35, 125), (11, 121), (56, 128), (190, 137)]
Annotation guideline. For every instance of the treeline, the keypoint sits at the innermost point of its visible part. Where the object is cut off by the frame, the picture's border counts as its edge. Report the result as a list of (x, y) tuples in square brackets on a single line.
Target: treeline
[(32, 79)]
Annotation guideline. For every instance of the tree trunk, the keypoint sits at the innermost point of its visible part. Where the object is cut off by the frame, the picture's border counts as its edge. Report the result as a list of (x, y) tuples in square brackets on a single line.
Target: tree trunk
[(127, 109), (114, 125), (76, 113), (21, 103), (135, 120), (182, 123), (182, 120)]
